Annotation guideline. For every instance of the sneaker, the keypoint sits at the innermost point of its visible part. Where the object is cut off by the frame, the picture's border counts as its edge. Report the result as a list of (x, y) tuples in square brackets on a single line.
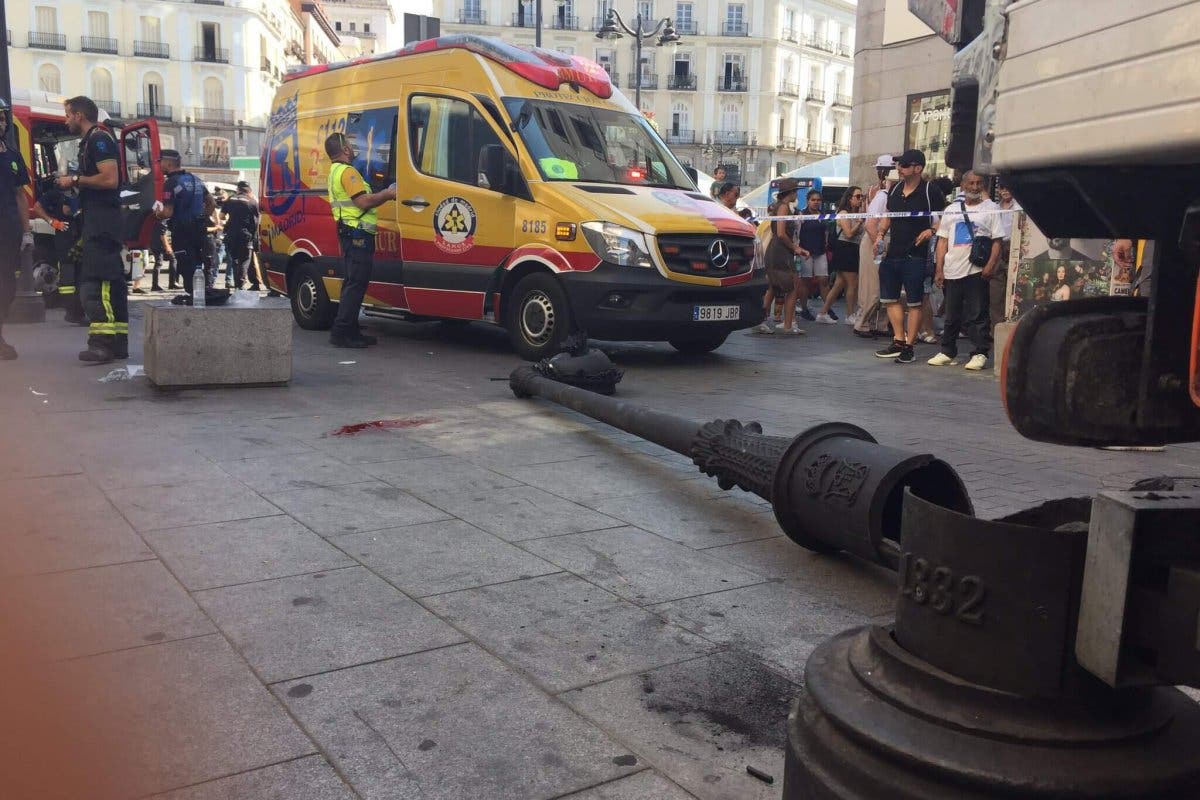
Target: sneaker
[(907, 355), (764, 327), (826, 319), (928, 338), (806, 314), (893, 350), (795, 330), (852, 319), (942, 360), (977, 362), (354, 344), (832, 315)]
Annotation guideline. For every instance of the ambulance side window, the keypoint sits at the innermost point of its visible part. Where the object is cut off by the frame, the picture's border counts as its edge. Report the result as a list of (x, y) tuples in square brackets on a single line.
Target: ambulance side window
[(373, 131), (446, 137)]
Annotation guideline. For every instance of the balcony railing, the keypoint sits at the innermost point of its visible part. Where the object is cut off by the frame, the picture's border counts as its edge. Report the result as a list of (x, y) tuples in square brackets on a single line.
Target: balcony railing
[(151, 49), (98, 44), (524, 20), (214, 161), (113, 107), (789, 34), (725, 84), (220, 116), (730, 137), (211, 55), (816, 95), (789, 89), (843, 100), (48, 41), (649, 80), (564, 23), (682, 82), (732, 28), (681, 137), (819, 44), (685, 27), (845, 50), (156, 110), (838, 149), (815, 146), (787, 143)]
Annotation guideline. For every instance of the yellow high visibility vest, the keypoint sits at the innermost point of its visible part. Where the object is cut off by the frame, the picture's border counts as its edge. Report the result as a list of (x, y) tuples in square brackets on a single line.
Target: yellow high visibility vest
[(343, 206)]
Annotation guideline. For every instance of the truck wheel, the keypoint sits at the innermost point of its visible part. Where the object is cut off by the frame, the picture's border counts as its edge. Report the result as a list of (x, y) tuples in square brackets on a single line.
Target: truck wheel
[(538, 317), (696, 347), (311, 306)]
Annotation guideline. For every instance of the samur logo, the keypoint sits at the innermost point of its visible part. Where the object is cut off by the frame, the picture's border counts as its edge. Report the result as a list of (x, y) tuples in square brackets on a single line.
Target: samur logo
[(454, 226)]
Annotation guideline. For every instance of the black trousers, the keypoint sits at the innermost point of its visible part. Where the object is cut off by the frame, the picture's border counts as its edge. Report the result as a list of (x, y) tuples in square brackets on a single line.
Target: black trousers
[(190, 242), (107, 306), (157, 259), (967, 301), (358, 254), (237, 254), (10, 262)]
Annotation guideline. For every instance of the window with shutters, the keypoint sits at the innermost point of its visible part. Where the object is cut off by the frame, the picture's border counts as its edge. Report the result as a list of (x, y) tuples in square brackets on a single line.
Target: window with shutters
[(49, 79), (151, 28), (98, 23), (47, 19), (102, 85), (214, 93)]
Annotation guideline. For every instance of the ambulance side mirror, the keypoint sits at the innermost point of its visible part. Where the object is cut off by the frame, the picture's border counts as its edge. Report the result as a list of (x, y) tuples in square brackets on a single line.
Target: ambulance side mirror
[(498, 170)]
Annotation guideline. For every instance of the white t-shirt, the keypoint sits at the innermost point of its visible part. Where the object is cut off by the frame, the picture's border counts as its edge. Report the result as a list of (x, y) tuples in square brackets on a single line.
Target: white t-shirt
[(957, 234), (1006, 221)]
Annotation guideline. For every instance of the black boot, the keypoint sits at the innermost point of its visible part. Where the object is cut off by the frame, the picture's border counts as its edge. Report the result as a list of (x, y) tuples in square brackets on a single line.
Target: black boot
[(96, 354)]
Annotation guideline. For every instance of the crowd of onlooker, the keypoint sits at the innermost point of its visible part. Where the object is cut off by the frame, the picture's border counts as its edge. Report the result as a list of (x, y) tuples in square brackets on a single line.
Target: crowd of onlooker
[(925, 251)]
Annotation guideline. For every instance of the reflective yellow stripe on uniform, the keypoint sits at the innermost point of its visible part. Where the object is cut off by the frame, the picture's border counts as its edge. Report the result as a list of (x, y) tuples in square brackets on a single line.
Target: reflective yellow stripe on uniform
[(66, 290), (103, 329), (344, 209), (106, 299)]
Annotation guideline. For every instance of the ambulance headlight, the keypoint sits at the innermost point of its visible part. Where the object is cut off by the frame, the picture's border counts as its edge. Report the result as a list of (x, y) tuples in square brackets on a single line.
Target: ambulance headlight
[(617, 244)]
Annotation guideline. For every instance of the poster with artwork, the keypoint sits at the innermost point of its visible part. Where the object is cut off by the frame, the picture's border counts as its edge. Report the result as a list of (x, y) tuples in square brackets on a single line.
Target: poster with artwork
[(1048, 270)]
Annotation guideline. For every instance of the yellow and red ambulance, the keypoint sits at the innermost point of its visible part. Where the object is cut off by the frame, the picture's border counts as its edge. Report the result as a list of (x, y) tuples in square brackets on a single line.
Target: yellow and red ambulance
[(530, 194)]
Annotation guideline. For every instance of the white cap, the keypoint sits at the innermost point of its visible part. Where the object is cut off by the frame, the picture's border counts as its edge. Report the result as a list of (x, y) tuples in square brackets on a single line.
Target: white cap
[(885, 161)]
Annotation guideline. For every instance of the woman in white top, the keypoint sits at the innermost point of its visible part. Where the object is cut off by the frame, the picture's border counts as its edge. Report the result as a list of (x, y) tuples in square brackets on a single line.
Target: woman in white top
[(845, 256)]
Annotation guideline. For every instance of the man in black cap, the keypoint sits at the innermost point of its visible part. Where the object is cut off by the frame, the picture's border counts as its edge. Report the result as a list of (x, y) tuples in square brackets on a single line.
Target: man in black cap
[(15, 232), (102, 271), (241, 228), (904, 263), (187, 210)]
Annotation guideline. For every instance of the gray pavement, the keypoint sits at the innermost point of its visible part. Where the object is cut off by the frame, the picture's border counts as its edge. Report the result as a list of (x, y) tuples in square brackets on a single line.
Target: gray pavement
[(503, 600)]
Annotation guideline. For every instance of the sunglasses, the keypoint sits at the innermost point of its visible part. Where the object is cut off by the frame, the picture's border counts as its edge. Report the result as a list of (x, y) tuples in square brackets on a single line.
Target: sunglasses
[(856, 197), (905, 164)]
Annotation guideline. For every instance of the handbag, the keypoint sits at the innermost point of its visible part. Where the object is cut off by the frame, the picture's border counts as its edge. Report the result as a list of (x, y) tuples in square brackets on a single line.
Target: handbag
[(981, 246)]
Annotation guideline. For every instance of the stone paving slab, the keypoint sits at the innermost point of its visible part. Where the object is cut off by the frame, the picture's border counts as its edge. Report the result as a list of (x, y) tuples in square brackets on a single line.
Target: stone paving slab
[(325, 621), (151, 508), (596, 477), (441, 557), (770, 621), (452, 724), (308, 778), (524, 512), (688, 514), (640, 566), (188, 711), (701, 722), (308, 470), (243, 551), (647, 785), (565, 632), (91, 611), (432, 478), (368, 506)]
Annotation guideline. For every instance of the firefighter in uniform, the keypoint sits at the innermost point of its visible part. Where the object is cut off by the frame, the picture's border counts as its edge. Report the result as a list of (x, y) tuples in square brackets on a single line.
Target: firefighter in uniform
[(61, 211), (102, 272), (354, 212), (187, 210), (15, 233)]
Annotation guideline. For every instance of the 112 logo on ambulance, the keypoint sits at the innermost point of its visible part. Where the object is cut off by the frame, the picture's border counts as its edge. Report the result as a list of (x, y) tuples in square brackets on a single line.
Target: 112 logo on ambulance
[(454, 226)]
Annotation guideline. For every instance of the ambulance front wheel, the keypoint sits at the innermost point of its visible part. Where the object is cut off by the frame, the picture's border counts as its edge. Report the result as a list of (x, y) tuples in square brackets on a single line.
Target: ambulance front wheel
[(311, 306), (539, 317)]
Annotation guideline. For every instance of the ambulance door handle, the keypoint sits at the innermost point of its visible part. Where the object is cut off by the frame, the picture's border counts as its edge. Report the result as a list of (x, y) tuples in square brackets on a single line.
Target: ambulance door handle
[(419, 203)]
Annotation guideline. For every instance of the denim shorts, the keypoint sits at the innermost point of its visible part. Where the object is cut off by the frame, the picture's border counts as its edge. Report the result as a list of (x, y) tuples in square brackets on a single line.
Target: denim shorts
[(812, 267), (907, 273)]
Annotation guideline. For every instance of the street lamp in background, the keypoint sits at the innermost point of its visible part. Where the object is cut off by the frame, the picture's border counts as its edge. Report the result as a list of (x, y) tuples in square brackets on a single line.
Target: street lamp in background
[(613, 28)]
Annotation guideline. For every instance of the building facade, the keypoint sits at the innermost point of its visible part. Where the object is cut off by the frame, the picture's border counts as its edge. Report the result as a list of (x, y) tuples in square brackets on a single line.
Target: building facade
[(902, 89), (758, 86), (206, 70), (372, 22)]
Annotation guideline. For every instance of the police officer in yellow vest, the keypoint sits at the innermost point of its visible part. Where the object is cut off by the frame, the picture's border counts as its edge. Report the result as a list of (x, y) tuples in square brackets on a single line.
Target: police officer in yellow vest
[(354, 211)]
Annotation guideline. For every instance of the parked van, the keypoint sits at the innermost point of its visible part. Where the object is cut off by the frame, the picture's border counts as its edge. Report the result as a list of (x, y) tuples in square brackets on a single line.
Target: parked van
[(531, 194)]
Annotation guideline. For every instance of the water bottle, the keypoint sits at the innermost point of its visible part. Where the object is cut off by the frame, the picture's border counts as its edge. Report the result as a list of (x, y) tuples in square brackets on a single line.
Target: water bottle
[(879, 250), (198, 288)]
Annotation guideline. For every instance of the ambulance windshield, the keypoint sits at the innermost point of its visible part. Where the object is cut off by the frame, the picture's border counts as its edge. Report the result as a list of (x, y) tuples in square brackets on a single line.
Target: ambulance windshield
[(594, 145)]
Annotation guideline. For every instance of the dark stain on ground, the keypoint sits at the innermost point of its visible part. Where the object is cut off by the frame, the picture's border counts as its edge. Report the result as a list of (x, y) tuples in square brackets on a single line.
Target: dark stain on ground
[(385, 492), (428, 744), (647, 684), (724, 695), (625, 761), (305, 601), (382, 425), (300, 690), (155, 637)]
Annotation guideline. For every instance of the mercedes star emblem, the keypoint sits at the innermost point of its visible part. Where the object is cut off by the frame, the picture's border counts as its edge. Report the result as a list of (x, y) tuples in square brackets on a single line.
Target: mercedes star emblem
[(719, 253)]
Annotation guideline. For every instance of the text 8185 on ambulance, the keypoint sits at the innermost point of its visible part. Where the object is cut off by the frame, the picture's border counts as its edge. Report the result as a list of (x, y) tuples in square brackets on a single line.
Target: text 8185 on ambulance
[(530, 194)]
